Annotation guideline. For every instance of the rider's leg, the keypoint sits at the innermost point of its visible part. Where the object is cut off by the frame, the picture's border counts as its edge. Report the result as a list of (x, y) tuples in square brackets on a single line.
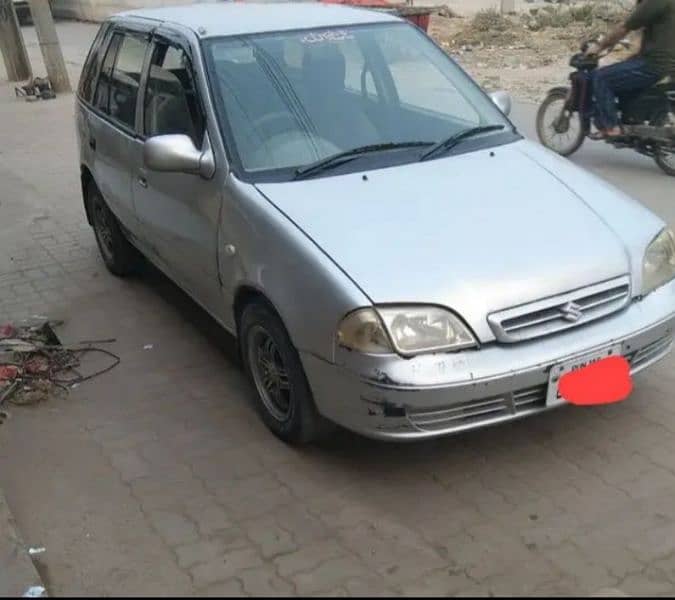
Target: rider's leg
[(609, 82), (604, 99)]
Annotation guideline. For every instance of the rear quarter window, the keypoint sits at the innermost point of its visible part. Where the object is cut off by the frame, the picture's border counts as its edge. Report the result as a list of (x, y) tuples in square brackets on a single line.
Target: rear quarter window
[(92, 65), (102, 94)]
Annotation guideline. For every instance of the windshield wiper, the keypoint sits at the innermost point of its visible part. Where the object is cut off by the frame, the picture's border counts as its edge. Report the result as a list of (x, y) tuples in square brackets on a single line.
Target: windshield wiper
[(348, 155), (449, 143)]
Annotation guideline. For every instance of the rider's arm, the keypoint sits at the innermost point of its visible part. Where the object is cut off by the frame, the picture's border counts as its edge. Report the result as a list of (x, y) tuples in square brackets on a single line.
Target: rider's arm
[(644, 14), (613, 37)]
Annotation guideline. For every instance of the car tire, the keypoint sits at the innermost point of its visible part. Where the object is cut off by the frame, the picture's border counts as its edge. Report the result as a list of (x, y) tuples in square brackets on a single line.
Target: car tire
[(119, 256), (283, 396)]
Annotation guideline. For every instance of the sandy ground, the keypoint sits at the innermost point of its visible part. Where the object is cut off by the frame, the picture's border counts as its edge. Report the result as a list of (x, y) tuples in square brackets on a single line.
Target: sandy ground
[(513, 57), (471, 7)]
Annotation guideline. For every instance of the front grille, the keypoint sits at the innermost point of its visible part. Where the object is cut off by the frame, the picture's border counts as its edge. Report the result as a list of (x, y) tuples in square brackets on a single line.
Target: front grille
[(562, 312), (472, 412), (650, 353)]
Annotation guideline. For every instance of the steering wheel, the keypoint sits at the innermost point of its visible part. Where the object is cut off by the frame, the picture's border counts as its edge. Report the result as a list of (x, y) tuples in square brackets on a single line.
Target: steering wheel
[(275, 123)]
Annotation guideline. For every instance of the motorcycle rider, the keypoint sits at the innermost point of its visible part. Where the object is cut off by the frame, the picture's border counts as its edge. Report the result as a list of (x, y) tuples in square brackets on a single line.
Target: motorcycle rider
[(656, 59)]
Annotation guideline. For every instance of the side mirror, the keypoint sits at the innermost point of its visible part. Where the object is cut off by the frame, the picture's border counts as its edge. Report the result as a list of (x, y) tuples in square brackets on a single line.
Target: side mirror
[(178, 154), (503, 101)]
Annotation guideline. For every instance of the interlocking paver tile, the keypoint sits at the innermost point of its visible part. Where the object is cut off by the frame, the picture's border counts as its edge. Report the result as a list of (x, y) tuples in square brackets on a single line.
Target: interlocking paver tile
[(159, 478)]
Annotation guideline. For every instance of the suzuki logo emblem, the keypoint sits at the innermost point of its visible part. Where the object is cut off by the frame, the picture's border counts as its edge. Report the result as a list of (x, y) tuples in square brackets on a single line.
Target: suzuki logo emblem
[(571, 312)]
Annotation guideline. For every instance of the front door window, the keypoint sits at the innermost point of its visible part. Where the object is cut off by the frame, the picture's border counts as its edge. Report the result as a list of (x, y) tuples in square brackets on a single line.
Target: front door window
[(171, 104)]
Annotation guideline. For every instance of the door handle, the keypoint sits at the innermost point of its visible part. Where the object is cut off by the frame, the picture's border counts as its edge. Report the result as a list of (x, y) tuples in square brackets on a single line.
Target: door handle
[(142, 181), (92, 143)]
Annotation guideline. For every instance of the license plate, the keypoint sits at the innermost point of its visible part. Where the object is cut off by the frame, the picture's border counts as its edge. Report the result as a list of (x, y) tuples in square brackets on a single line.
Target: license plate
[(553, 398)]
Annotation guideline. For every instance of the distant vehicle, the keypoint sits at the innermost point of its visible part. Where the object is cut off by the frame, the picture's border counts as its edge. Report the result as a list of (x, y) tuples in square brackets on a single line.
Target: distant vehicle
[(390, 253), (647, 119), (22, 8)]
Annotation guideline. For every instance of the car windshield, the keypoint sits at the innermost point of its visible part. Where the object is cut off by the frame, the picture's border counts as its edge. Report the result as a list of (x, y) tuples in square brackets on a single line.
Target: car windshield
[(290, 100)]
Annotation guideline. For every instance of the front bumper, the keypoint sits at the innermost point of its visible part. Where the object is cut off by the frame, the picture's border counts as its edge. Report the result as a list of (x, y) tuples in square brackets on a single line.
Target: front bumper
[(388, 397)]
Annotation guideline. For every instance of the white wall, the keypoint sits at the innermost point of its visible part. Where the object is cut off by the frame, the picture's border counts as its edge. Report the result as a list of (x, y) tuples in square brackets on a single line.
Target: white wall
[(97, 10)]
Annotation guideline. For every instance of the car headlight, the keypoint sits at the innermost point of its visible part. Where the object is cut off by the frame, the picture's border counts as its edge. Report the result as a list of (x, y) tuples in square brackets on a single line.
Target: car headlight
[(408, 330), (658, 266), (363, 331)]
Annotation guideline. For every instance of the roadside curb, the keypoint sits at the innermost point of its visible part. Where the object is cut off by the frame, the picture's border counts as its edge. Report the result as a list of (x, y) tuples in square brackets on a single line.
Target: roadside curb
[(18, 575)]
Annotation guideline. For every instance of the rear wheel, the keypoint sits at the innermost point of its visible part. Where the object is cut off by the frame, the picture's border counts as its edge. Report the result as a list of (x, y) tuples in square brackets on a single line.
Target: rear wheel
[(666, 161), (559, 129), (119, 256), (664, 157)]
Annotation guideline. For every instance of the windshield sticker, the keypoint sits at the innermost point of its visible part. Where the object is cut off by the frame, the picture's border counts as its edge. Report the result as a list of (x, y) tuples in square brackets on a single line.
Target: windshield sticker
[(332, 35)]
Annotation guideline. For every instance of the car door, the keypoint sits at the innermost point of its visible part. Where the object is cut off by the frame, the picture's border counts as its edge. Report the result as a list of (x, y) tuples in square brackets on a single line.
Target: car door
[(112, 121), (178, 212)]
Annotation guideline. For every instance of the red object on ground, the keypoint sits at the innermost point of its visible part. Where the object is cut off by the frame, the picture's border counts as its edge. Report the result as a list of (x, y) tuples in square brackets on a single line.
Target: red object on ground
[(419, 16), (419, 19), (38, 365), (603, 382), (8, 372), (382, 3), (7, 331)]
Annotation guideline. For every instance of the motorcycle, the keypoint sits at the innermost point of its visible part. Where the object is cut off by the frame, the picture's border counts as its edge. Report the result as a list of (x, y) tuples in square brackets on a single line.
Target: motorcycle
[(647, 119)]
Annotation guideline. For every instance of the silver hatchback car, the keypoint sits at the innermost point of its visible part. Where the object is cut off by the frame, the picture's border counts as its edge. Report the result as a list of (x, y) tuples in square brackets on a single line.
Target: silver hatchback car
[(391, 254)]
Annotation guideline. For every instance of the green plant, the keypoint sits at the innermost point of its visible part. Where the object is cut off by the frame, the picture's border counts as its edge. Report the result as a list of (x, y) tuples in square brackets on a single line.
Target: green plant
[(490, 19)]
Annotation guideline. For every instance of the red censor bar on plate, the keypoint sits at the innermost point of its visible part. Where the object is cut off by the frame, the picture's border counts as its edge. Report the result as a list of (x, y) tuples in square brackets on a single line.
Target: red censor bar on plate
[(603, 382)]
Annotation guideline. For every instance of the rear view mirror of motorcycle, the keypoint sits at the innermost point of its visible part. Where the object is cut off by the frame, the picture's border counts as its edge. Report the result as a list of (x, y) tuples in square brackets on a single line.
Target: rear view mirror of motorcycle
[(585, 47)]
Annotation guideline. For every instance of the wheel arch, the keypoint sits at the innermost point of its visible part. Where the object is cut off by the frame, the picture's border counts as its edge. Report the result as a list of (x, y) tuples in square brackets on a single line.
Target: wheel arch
[(86, 179), (314, 426), (245, 295)]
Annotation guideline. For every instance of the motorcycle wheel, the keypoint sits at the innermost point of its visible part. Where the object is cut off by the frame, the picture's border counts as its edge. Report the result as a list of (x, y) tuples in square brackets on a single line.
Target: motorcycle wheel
[(666, 161), (664, 157), (557, 129)]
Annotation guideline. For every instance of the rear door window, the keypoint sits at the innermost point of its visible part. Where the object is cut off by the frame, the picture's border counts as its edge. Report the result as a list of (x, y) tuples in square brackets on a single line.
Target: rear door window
[(126, 79)]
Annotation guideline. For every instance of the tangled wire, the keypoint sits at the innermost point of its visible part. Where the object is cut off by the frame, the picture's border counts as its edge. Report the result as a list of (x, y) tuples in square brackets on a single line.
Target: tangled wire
[(34, 364)]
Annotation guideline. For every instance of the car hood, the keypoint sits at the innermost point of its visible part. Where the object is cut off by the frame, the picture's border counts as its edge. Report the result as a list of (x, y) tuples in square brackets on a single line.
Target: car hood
[(476, 233)]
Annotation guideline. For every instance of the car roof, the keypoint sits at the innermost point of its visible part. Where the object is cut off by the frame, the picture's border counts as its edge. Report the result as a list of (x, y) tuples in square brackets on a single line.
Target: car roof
[(240, 18)]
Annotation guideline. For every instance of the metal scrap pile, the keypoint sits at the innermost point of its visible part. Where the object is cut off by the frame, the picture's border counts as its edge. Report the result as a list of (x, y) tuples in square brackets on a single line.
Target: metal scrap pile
[(34, 365)]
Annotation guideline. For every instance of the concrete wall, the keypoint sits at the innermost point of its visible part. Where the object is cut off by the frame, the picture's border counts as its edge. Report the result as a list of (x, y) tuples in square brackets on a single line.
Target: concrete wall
[(97, 10)]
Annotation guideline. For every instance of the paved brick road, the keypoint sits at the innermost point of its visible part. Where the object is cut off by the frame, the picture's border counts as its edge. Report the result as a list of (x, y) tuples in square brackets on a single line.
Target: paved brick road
[(158, 478)]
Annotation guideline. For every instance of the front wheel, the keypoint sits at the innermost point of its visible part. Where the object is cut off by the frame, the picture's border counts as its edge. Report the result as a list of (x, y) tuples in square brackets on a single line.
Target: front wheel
[(665, 158), (284, 397), (559, 129)]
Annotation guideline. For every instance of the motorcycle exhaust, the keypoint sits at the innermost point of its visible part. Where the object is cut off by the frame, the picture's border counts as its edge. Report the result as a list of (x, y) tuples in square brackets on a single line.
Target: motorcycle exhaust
[(649, 133)]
